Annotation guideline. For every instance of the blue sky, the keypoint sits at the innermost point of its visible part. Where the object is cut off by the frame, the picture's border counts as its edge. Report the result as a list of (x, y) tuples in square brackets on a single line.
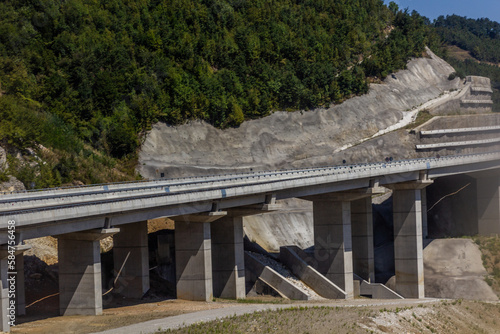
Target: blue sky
[(473, 9)]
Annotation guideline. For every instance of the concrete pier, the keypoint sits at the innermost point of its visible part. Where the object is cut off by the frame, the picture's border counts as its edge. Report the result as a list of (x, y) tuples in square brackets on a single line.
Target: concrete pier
[(20, 288), (332, 242), (80, 288), (9, 275), (362, 238), (4, 295), (408, 244), (193, 256), (131, 260), (425, 224), (488, 204), (228, 266)]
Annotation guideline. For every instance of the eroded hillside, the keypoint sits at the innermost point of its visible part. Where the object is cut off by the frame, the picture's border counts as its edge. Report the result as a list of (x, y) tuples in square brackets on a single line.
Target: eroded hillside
[(295, 139)]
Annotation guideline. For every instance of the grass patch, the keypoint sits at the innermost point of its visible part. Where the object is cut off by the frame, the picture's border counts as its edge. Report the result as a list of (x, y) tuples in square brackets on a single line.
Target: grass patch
[(263, 301), (490, 249), (422, 117)]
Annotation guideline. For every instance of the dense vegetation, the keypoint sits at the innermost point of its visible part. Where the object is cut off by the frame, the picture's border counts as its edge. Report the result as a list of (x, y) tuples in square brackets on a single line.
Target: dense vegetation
[(481, 38), (85, 77)]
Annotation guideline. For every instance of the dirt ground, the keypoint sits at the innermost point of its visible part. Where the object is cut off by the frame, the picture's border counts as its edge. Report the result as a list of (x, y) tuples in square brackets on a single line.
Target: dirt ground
[(47, 320), (43, 316), (447, 316)]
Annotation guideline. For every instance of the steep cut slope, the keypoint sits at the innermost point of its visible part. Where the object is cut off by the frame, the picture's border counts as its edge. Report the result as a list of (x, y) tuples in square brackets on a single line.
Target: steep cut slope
[(293, 139)]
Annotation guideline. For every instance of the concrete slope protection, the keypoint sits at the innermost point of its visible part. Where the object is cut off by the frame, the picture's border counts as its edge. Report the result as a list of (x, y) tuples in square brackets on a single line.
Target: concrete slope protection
[(294, 139)]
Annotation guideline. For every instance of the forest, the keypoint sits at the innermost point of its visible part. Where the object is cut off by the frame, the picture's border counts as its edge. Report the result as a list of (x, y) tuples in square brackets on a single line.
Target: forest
[(481, 38), (84, 79)]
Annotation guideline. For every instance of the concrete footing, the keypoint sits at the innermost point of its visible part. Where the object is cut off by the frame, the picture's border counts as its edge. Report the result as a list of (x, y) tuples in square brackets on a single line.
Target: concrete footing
[(377, 291), (131, 260), (80, 288)]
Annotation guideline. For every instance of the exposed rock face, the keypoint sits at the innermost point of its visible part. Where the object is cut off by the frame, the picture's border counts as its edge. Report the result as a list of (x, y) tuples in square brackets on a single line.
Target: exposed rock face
[(292, 139), (453, 269), (3, 160), (12, 184)]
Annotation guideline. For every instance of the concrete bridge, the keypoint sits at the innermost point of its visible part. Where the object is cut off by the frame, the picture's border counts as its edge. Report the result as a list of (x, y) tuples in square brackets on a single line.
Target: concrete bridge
[(208, 214)]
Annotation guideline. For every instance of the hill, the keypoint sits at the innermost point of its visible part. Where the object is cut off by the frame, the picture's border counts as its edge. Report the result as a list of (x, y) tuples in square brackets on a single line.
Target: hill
[(472, 47), (85, 78)]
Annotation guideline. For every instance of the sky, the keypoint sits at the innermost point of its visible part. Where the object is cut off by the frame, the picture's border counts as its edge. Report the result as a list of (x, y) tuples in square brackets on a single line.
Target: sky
[(473, 9)]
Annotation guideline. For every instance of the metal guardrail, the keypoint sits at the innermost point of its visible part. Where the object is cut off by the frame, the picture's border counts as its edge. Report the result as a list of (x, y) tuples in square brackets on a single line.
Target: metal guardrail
[(248, 183), (457, 144), (460, 130), (477, 101)]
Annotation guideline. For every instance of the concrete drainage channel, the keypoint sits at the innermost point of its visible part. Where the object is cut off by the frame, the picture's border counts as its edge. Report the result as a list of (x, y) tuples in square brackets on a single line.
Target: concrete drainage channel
[(294, 278), (274, 274)]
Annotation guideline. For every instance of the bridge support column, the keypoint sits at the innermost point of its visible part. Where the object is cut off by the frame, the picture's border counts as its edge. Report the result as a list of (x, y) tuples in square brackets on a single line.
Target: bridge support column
[(425, 225), (7, 276), (333, 236), (20, 289), (408, 244), (228, 258), (488, 205), (362, 238), (332, 242), (130, 255), (4, 294), (80, 288), (193, 256)]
